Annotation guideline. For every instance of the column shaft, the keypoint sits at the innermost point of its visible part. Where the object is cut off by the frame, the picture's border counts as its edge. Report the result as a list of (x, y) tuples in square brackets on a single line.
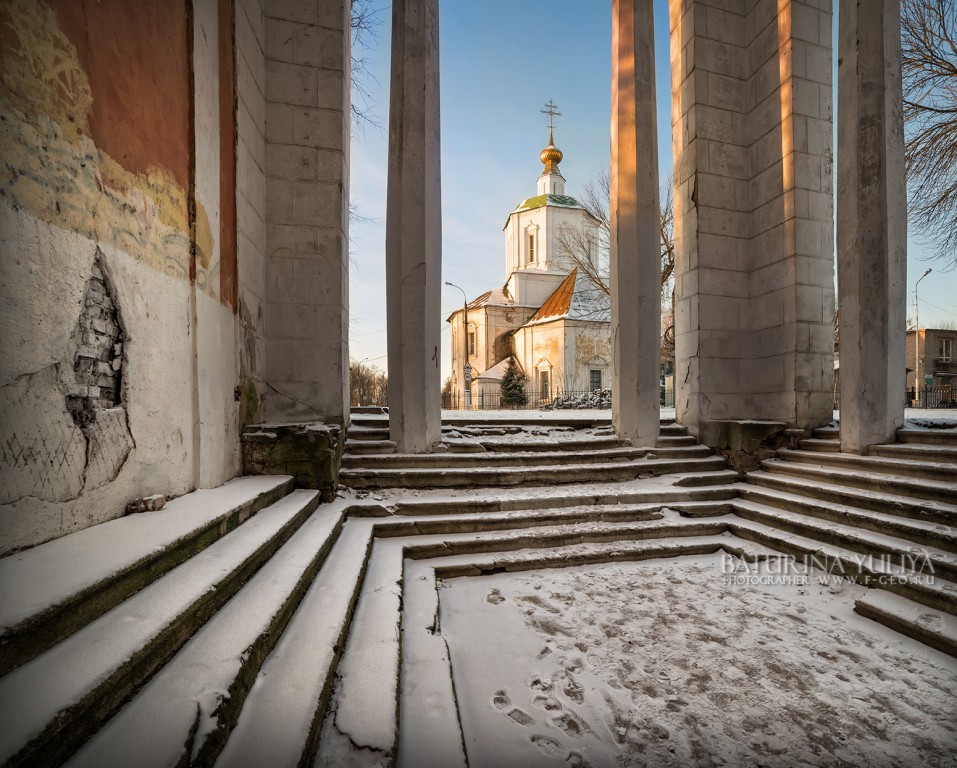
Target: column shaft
[(414, 228), (635, 234), (871, 225)]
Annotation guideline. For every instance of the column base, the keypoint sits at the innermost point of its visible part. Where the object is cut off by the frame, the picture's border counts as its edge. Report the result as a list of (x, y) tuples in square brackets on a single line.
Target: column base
[(311, 452)]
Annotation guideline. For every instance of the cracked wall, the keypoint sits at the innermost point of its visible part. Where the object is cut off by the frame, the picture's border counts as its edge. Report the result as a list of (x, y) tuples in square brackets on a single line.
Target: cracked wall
[(120, 339)]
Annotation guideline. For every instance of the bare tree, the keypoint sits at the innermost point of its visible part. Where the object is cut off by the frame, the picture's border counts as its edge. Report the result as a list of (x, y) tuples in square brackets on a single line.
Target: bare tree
[(929, 61), (365, 21), (591, 257), (367, 384)]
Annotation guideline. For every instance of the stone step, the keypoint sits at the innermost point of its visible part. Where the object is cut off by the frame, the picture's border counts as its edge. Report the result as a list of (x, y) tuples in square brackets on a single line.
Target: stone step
[(474, 504), (938, 562), (52, 703), (281, 720), (675, 440), (929, 534), (940, 454), (52, 590), (369, 446), (691, 479), (827, 433), (364, 707), (577, 444), (825, 445), (530, 475), (187, 710), (936, 629), (899, 467), (891, 504), (513, 459), (928, 436), (368, 409), (873, 481), (934, 592), (355, 434)]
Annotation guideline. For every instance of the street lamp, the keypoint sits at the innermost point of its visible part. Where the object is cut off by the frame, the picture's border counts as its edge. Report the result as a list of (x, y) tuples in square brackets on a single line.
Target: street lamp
[(467, 369), (917, 335)]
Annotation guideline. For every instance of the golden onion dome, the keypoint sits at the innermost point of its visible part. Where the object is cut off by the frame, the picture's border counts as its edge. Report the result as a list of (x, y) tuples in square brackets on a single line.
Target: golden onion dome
[(551, 156)]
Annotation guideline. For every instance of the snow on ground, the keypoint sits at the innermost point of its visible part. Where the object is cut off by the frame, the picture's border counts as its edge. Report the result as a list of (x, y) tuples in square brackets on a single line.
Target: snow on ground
[(666, 663)]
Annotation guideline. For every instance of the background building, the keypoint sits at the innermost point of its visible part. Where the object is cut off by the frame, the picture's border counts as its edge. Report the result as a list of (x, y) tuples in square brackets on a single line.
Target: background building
[(550, 315)]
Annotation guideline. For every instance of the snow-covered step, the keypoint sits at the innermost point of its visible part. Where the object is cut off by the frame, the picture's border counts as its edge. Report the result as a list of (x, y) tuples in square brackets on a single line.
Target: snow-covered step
[(933, 490), (530, 475), (928, 436), (899, 467), (376, 434), (525, 446), (281, 721), (49, 705), (936, 629), (54, 589), (185, 712), (940, 454), (369, 446), (430, 731), (897, 550), (905, 506), (930, 534), (676, 440), (936, 592), (821, 445), (364, 706), (691, 479), (489, 459), (474, 503)]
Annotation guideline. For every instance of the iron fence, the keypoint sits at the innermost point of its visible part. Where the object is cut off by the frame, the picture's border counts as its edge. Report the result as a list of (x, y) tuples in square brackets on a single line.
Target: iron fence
[(926, 397), (547, 400), (932, 397)]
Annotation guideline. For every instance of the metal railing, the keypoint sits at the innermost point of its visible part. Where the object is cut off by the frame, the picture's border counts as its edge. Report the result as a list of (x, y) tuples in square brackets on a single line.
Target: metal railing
[(925, 397), (548, 400)]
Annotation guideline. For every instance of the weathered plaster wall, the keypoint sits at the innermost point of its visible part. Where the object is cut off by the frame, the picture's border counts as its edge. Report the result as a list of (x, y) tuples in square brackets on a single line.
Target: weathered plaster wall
[(98, 145)]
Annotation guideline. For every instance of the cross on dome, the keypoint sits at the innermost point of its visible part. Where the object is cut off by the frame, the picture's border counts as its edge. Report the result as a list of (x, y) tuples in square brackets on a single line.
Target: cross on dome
[(551, 156)]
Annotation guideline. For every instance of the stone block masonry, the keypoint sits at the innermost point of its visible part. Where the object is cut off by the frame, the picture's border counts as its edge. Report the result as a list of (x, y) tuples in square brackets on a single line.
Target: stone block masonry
[(306, 167), (752, 115)]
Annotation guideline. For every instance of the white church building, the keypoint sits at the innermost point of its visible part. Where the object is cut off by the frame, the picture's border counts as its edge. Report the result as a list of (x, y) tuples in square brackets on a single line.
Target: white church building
[(549, 316)]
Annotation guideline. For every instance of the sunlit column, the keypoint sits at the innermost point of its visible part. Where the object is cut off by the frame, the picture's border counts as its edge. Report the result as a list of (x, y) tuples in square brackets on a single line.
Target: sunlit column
[(635, 235), (414, 228), (871, 224)]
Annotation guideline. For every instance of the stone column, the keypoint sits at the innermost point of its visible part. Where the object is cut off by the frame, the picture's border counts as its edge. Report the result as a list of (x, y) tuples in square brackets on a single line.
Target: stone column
[(635, 239), (306, 156), (871, 224), (413, 241)]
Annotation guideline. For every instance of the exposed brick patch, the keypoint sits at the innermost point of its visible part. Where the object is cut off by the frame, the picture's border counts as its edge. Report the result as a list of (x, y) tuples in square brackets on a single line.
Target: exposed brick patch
[(98, 361)]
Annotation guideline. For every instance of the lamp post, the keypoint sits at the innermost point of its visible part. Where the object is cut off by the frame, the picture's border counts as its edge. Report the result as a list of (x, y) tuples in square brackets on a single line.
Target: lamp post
[(917, 335), (467, 369)]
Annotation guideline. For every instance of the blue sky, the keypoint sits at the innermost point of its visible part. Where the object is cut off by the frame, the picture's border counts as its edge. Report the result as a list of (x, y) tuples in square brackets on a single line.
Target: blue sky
[(501, 60)]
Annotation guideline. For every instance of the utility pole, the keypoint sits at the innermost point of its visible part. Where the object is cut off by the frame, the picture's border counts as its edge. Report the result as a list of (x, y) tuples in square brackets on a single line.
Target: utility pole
[(466, 369), (917, 336)]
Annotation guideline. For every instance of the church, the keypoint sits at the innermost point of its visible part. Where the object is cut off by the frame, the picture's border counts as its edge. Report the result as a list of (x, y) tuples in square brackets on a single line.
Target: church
[(551, 316)]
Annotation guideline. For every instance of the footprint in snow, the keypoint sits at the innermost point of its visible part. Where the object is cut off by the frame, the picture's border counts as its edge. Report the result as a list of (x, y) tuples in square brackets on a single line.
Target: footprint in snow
[(501, 700), (547, 745), (494, 597)]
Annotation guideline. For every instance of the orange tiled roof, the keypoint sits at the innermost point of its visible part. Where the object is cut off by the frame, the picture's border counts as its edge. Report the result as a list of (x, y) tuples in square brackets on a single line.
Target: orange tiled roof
[(558, 304)]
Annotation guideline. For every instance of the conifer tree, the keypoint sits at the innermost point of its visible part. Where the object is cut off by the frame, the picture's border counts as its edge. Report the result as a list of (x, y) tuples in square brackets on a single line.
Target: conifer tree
[(513, 388)]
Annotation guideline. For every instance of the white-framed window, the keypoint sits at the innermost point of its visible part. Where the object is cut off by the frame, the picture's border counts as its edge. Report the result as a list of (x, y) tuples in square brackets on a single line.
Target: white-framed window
[(531, 247), (471, 343), (945, 350), (543, 384), (594, 379)]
